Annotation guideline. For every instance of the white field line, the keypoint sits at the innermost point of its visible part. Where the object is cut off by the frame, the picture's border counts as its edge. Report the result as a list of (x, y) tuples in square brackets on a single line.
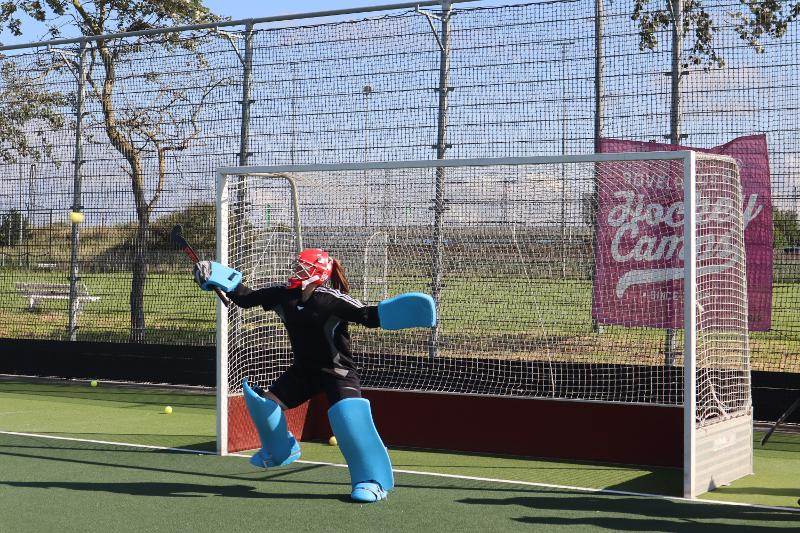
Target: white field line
[(433, 474)]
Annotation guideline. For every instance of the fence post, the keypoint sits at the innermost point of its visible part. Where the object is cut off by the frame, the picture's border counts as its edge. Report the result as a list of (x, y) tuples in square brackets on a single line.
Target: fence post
[(238, 240), (74, 303), (247, 70), (244, 136), (599, 68), (675, 74), (674, 127), (440, 202), (244, 128), (599, 110)]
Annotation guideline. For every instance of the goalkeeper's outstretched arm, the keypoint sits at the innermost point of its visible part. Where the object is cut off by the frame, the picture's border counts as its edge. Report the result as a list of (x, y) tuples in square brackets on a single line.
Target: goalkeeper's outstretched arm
[(410, 310), (245, 297), (351, 310)]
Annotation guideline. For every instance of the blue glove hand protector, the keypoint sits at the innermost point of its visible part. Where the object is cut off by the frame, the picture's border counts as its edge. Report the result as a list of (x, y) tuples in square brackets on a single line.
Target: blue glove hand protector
[(222, 277), (410, 310)]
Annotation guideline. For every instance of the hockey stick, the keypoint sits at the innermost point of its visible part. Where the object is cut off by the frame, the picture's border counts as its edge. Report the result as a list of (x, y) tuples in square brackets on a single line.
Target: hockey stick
[(176, 236), (780, 421)]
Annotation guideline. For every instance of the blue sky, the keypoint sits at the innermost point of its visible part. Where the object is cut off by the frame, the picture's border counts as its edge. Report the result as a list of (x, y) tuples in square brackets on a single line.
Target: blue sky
[(240, 9), (236, 9)]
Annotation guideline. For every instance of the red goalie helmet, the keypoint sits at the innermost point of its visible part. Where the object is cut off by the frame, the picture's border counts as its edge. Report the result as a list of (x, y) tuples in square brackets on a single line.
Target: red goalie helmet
[(313, 266)]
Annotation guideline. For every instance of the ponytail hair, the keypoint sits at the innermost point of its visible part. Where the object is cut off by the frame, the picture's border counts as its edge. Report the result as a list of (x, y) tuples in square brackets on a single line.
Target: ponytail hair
[(338, 278)]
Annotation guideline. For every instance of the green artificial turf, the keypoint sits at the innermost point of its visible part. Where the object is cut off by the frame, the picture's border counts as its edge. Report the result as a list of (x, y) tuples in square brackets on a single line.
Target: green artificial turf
[(109, 412), (135, 415), (777, 475), (69, 486)]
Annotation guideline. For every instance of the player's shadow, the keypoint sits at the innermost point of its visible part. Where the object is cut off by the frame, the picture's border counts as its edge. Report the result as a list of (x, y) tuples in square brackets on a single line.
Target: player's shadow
[(766, 491), (662, 481), (645, 524), (173, 490), (249, 474), (651, 514)]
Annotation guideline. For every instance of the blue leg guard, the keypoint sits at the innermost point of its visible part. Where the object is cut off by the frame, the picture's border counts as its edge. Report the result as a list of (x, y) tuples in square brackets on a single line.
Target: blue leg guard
[(367, 459), (279, 447)]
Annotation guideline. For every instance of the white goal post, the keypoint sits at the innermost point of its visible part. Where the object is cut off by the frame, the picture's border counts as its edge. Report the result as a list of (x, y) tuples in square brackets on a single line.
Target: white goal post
[(525, 257)]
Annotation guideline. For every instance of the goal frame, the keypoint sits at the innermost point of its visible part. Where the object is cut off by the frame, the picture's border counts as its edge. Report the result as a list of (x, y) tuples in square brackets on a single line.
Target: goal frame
[(689, 160)]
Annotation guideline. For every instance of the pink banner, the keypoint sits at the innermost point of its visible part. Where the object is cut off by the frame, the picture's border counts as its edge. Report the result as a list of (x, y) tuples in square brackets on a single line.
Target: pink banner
[(638, 261)]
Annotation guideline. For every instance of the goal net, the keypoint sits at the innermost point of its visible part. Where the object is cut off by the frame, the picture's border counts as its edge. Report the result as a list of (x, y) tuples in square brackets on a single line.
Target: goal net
[(602, 278)]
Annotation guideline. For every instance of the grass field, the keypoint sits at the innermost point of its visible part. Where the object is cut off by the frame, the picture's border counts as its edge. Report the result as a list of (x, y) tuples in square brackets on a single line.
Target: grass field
[(550, 321), (176, 311), (57, 452)]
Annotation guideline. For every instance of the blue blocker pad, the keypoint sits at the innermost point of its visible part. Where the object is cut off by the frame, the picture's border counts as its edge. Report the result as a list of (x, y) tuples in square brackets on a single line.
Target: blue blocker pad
[(367, 459), (223, 277), (279, 447), (409, 310)]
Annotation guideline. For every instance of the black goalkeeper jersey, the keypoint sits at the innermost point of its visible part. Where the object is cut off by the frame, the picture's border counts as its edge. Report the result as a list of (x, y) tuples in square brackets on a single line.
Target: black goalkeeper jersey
[(317, 328)]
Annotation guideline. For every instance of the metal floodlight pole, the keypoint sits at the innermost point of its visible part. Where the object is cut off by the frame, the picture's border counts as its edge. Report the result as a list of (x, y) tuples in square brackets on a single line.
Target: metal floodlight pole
[(31, 210), (563, 47), (293, 104), (72, 327), (366, 91), (440, 202), (21, 218)]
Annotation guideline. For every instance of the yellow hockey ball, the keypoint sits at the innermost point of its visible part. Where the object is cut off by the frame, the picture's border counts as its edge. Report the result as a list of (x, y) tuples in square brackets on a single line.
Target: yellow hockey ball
[(76, 217), (93, 383), (332, 441), (168, 410)]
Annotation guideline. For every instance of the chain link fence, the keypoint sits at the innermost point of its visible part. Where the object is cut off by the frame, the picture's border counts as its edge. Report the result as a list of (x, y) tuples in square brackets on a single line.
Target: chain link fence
[(154, 115)]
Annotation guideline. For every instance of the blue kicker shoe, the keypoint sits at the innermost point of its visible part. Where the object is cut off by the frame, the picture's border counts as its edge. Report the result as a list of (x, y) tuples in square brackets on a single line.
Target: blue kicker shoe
[(262, 458), (368, 492)]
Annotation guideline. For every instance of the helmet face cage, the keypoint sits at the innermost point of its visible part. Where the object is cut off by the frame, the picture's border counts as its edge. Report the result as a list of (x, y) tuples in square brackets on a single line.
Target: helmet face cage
[(302, 269), (312, 266)]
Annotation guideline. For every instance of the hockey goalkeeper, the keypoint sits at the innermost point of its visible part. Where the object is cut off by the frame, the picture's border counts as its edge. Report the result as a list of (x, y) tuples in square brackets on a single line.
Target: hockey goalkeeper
[(316, 317)]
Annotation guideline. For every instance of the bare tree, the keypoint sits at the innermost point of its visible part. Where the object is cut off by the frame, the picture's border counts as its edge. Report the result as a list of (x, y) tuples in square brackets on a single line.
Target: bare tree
[(27, 114), (160, 120)]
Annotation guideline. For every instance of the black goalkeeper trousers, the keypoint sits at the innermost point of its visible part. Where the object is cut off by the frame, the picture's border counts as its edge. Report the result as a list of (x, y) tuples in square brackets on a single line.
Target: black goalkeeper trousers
[(300, 383)]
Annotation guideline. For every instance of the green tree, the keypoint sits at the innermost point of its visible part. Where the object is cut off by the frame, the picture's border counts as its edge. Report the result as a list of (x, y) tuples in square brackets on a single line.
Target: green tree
[(755, 20), (786, 228), (198, 227), (14, 228), (160, 119)]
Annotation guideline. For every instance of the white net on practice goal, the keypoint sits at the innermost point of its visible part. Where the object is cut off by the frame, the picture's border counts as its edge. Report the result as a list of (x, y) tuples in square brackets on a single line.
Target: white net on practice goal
[(262, 239), (722, 356), (555, 277)]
